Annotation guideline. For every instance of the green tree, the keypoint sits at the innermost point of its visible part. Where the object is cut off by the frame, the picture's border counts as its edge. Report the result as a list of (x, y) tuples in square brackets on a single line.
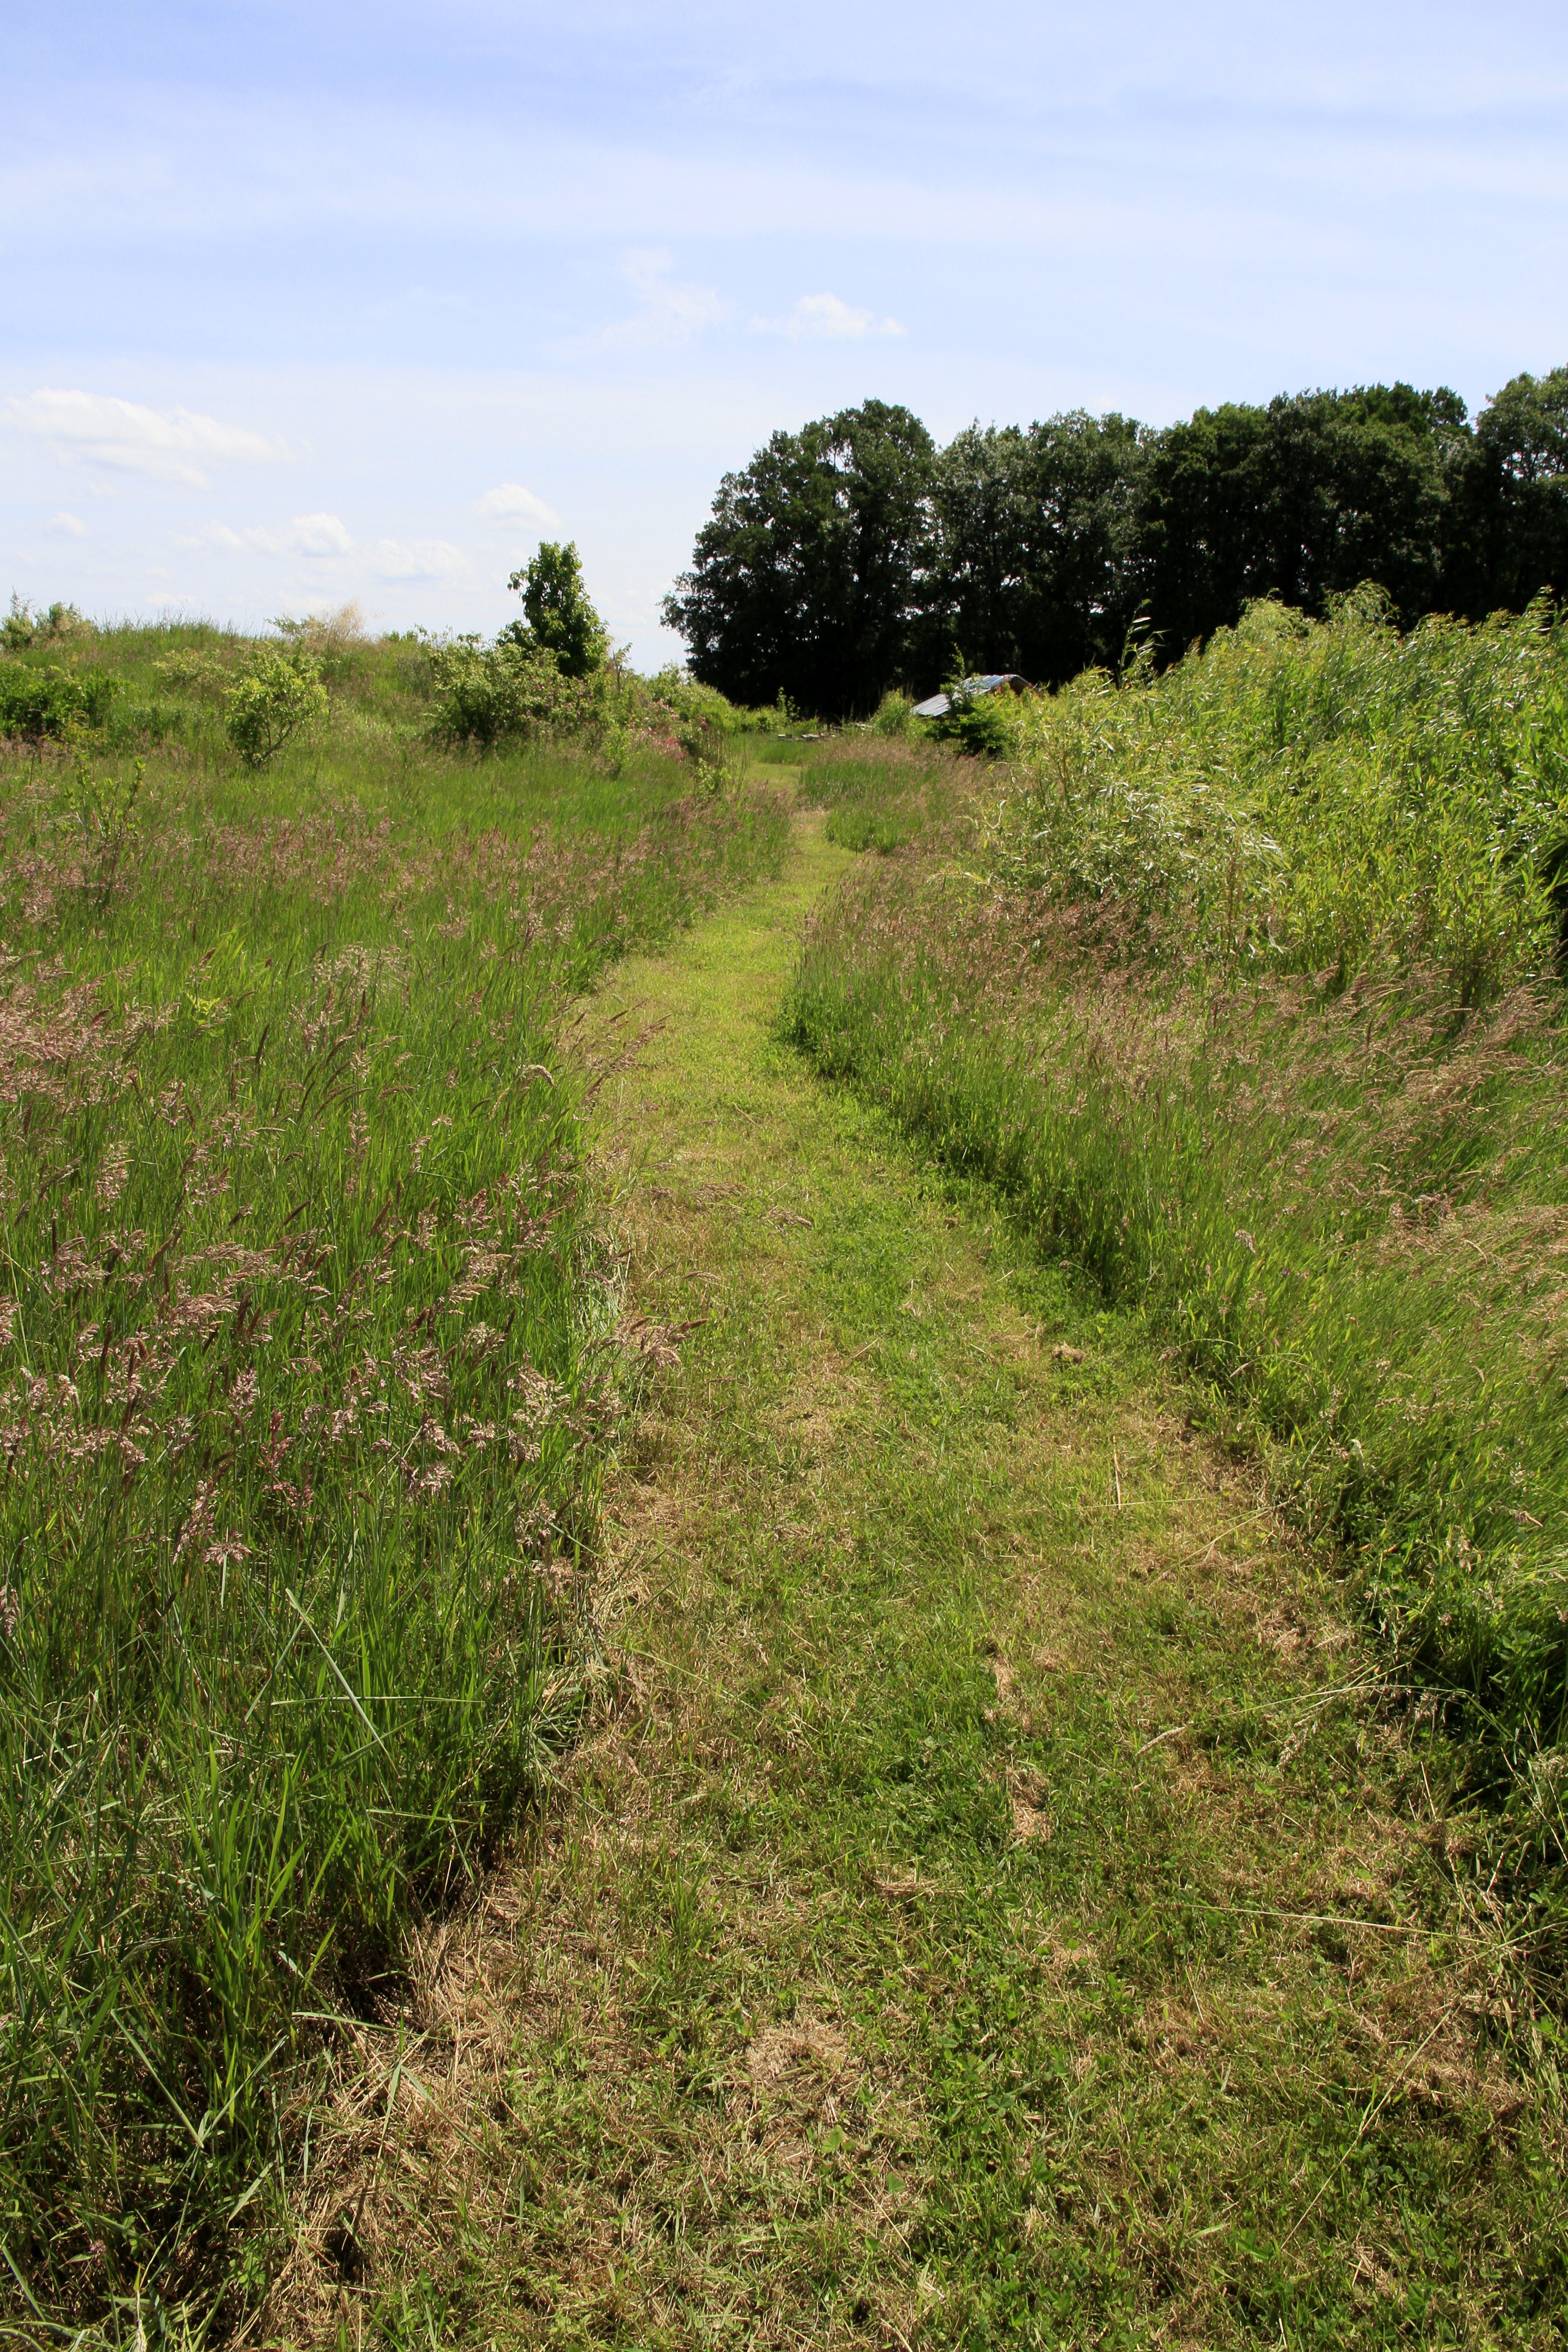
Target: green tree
[(1301, 500), (1034, 568), (809, 579), (1510, 534), (559, 618)]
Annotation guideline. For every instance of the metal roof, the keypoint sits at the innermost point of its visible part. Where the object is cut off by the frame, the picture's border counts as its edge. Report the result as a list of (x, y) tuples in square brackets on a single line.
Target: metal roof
[(937, 706)]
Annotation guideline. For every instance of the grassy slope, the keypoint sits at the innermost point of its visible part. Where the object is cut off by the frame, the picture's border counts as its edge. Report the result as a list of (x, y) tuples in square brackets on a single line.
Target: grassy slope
[(991, 1909)]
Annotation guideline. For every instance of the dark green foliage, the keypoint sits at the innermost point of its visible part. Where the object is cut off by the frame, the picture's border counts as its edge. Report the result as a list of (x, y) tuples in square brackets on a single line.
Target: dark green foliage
[(852, 557), (1034, 567), (1513, 535), (978, 724), (1302, 500), (807, 580), (560, 619)]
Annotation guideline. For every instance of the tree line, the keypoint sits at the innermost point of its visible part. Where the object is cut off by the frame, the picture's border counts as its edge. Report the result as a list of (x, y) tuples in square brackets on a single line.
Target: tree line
[(856, 555)]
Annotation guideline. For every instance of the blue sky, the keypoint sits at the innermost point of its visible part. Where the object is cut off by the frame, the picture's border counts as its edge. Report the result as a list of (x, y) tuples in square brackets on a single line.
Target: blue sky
[(310, 303)]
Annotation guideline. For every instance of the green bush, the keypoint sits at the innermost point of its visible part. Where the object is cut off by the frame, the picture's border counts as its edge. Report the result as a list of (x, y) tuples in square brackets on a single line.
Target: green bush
[(980, 725), (707, 752), (22, 628), (280, 697), (895, 715), (105, 822), (50, 700), (507, 693)]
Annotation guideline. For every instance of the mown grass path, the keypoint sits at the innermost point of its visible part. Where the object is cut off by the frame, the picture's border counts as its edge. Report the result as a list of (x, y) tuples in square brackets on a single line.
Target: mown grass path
[(990, 1908)]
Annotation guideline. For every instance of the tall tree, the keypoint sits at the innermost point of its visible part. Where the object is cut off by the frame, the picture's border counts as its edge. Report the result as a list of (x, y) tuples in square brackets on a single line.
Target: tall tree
[(1510, 534), (1032, 569), (1303, 500), (809, 577), (850, 555)]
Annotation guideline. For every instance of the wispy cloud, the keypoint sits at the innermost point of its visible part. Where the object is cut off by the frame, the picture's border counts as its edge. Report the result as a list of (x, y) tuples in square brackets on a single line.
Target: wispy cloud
[(317, 535), (824, 317), (417, 559), (70, 526), (510, 502), (669, 312), (166, 445)]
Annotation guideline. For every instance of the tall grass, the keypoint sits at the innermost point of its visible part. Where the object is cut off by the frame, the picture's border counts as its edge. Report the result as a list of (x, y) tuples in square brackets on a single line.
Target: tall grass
[(1306, 794), (879, 793), (1303, 1108), (309, 1361)]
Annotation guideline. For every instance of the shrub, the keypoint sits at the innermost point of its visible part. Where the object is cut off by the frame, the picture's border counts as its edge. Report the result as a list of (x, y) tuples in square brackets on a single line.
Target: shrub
[(280, 696), (48, 701), (506, 693), (105, 821), (201, 675), (707, 752), (22, 628), (895, 714), (690, 699), (980, 725)]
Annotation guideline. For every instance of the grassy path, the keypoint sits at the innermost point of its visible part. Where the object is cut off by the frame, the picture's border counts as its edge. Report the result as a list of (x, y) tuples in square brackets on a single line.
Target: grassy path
[(987, 1910)]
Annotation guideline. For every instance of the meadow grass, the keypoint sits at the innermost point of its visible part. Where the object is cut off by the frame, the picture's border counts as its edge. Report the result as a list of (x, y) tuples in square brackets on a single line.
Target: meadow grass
[(1241, 984), (994, 1901), (877, 794), (313, 1351)]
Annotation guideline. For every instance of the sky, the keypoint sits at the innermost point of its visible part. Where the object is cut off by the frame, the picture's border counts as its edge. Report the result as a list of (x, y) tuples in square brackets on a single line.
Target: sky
[(309, 304)]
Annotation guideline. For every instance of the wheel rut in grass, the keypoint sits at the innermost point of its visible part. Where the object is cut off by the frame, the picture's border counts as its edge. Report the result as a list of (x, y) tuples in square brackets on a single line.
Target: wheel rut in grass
[(988, 1905)]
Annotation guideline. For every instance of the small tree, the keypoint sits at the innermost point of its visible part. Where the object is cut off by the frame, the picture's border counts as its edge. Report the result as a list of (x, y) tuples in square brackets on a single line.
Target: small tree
[(280, 696), (560, 618)]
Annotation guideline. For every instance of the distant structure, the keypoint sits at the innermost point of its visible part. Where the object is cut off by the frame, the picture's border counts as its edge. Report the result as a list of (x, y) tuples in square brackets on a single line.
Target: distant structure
[(973, 689)]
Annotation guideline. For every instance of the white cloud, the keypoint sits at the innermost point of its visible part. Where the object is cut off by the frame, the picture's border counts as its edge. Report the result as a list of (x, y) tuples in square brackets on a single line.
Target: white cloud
[(824, 317), (72, 525), (417, 559), (669, 312), (167, 445), (510, 502), (319, 534), (313, 534)]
